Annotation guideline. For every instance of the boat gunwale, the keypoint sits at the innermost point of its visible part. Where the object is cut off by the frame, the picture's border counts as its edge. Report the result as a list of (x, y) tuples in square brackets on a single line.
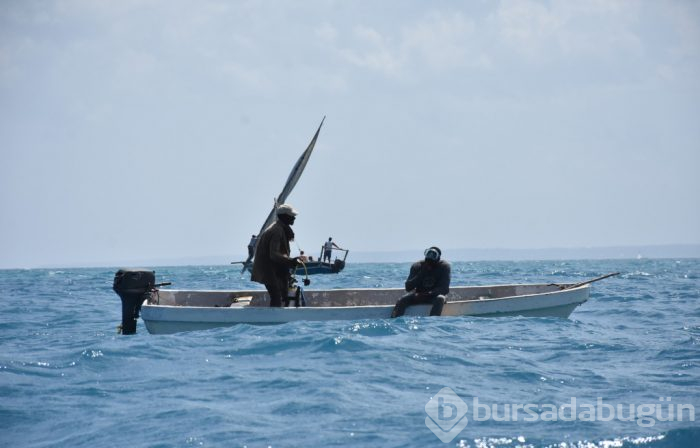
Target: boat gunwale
[(380, 289), (476, 299)]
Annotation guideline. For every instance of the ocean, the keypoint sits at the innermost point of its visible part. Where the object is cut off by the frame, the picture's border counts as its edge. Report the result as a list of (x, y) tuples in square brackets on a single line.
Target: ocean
[(622, 371)]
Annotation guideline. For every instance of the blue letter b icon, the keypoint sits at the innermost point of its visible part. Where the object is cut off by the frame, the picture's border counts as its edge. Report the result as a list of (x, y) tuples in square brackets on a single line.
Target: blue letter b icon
[(441, 410), (447, 414)]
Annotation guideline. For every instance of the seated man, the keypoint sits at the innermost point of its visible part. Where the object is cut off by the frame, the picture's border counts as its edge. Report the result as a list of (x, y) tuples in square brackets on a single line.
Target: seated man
[(428, 283), (303, 257)]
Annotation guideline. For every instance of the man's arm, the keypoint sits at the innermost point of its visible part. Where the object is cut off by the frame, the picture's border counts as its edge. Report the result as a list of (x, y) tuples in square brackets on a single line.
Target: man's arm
[(414, 277), (443, 284)]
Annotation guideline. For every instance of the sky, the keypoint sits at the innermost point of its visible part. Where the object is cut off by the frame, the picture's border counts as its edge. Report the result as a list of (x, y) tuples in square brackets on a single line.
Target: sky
[(164, 129)]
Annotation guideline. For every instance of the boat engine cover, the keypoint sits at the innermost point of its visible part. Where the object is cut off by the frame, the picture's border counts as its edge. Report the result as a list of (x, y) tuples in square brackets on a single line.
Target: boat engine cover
[(133, 281)]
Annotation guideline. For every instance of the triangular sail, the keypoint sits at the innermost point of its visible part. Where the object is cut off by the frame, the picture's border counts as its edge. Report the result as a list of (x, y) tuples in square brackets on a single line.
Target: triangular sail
[(292, 180)]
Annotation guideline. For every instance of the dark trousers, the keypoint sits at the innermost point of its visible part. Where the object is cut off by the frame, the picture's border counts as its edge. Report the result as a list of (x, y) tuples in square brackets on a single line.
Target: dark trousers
[(437, 301), (277, 290)]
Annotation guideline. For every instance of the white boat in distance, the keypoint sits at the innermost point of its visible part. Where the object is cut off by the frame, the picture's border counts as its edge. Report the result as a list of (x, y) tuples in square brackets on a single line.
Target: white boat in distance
[(170, 311)]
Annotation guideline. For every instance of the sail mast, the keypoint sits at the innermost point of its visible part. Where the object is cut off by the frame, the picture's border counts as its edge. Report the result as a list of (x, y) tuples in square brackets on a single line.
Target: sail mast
[(292, 180)]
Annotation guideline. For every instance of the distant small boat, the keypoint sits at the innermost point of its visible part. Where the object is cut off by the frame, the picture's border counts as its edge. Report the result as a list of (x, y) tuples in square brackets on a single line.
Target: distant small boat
[(320, 267), (312, 267)]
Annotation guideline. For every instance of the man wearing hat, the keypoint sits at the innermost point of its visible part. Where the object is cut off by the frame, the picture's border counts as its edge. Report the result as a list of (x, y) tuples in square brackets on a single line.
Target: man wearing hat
[(272, 261), (428, 282)]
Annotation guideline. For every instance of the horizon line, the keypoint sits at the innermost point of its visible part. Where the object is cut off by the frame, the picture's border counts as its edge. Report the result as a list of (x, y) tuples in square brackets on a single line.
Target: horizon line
[(654, 251)]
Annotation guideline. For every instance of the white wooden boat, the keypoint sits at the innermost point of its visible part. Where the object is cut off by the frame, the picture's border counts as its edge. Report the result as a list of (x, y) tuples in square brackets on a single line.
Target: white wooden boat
[(171, 311)]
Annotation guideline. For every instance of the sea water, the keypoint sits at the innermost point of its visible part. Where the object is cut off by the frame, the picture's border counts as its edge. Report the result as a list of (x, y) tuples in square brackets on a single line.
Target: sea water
[(67, 379)]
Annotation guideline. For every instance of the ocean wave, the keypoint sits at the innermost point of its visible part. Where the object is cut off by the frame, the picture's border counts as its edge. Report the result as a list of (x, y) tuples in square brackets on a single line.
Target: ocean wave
[(338, 383), (681, 437)]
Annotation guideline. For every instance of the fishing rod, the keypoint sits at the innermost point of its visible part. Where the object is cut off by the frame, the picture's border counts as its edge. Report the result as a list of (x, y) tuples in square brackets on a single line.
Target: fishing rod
[(576, 285), (307, 282), (294, 291)]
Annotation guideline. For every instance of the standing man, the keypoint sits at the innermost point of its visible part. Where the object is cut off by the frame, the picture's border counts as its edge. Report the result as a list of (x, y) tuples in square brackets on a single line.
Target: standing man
[(328, 248), (251, 246), (428, 283), (272, 262)]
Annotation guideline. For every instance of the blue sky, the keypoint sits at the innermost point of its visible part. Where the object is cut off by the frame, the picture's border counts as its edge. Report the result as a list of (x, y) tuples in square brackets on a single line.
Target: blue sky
[(140, 130)]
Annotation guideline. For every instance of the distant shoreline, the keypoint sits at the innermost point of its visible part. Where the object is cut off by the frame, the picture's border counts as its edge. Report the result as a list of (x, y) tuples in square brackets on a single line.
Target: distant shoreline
[(588, 253), (679, 251)]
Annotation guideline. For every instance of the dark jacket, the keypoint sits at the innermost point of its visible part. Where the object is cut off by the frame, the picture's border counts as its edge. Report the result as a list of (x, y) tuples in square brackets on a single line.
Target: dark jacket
[(272, 260), (425, 278)]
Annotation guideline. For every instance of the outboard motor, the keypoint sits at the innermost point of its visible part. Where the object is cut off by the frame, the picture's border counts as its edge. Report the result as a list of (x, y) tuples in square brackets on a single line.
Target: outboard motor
[(337, 266), (133, 287)]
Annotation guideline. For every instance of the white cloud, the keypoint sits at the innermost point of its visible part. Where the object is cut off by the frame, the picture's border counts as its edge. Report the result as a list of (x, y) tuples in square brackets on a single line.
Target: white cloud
[(685, 21), (327, 33), (543, 31), (249, 77), (375, 54), (443, 42), (527, 24), (438, 43)]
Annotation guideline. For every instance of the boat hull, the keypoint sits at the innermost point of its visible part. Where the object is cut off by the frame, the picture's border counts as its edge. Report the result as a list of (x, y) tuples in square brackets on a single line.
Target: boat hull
[(318, 267), (171, 311), (312, 267)]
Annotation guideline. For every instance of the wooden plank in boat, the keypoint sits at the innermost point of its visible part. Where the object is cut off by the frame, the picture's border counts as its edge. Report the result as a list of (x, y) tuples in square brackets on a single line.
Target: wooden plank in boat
[(241, 301)]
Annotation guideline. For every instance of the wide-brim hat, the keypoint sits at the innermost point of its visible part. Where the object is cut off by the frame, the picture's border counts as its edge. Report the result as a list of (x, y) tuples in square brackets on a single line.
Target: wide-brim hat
[(286, 209)]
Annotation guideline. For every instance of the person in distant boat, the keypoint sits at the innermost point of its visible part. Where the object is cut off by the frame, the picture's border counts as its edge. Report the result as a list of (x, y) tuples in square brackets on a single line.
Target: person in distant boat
[(251, 246), (428, 282), (303, 257), (328, 248), (272, 261)]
